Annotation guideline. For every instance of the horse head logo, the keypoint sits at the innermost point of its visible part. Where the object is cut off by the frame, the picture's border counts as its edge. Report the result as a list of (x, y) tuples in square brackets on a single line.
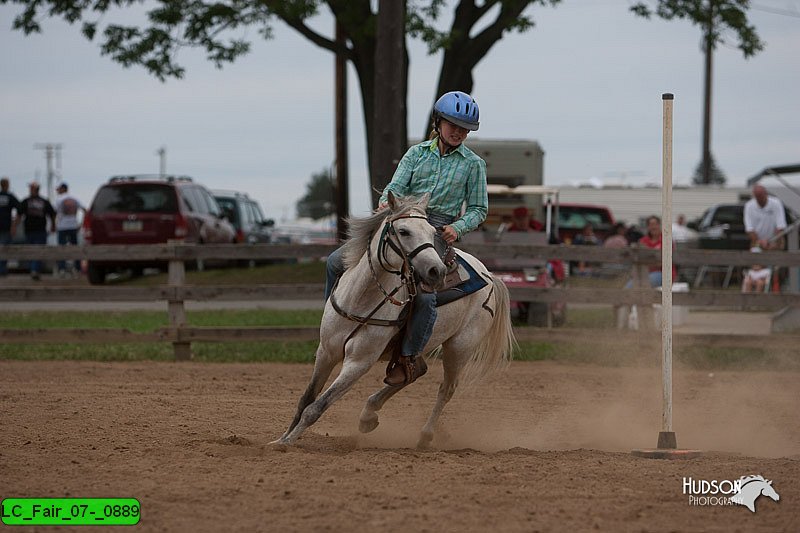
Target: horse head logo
[(751, 487)]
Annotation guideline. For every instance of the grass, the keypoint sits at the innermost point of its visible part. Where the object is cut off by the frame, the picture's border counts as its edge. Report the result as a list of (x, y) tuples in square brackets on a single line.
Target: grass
[(582, 350), (144, 321), (239, 352), (147, 321), (284, 273)]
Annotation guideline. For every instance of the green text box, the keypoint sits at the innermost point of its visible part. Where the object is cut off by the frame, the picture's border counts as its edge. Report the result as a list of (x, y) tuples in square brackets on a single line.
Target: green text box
[(70, 511)]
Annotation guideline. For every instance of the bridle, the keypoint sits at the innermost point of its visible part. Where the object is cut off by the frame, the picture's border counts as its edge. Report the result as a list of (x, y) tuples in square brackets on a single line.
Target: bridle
[(406, 271), (389, 240)]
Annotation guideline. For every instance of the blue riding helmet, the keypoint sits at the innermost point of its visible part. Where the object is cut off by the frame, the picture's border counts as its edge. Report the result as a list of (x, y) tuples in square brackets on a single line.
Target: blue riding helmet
[(458, 108)]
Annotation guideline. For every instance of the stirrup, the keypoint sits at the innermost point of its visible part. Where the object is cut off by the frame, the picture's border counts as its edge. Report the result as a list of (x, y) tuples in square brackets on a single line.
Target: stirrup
[(405, 370)]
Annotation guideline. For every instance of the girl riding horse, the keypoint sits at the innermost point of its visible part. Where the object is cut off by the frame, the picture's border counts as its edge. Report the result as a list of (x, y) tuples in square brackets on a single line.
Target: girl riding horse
[(452, 175)]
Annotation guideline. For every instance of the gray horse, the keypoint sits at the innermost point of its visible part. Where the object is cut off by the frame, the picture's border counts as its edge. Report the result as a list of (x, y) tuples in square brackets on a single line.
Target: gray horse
[(384, 255)]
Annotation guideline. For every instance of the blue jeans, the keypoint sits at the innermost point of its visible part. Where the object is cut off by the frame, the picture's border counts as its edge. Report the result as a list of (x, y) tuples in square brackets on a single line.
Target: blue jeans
[(423, 313), (5, 238), (654, 278), (68, 236), (334, 267), (36, 237)]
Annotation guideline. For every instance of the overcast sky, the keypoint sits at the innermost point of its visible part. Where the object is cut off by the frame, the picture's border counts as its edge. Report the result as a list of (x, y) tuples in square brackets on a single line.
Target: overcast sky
[(586, 83)]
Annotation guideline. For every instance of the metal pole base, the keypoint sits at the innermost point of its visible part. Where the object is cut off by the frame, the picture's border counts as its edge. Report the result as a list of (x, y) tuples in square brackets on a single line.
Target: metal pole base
[(667, 440), (667, 449)]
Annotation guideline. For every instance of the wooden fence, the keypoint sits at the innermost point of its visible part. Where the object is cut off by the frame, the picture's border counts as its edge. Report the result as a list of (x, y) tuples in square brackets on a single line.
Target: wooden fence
[(176, 291)]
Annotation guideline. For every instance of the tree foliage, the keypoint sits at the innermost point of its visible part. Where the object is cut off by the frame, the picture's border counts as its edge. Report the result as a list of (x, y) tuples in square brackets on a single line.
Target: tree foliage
[(320, 198), (715, 174), (470, 36), (218, 27), (715, 17)]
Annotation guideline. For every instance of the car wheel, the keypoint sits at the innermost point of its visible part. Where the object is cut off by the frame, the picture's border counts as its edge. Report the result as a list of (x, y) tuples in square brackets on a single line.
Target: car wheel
[(96, 274)]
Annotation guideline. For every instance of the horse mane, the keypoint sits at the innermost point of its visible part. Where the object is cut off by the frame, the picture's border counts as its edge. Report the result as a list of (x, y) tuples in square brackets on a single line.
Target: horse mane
[(361, 230), (744, 480)]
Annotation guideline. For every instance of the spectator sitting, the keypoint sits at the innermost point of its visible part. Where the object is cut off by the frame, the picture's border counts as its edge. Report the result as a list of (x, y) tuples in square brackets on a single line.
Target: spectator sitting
[(521, 220), (617, 239), (585, 238), (633, 234), (757, 277), (653, 240)]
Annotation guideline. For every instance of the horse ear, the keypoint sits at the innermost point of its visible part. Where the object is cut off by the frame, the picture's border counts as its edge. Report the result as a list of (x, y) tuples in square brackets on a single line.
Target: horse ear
[(392, 200), (424, 199)]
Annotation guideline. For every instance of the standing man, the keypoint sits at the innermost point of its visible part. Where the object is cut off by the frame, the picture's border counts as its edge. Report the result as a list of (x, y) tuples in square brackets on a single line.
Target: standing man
[(67, 225), (35, 210), (8, 203), (764, 218)]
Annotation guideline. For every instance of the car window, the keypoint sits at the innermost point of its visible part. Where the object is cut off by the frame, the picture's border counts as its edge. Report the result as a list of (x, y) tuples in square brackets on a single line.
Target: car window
[(577, 218), (708, 215), (195, 199), (228, 206), (728, 214), (142, 198), (259, 215), (253, 214), (212, 206), (189, 200)]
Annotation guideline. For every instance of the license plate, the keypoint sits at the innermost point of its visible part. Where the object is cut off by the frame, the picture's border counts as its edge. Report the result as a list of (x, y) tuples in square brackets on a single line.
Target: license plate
[(131, 225)]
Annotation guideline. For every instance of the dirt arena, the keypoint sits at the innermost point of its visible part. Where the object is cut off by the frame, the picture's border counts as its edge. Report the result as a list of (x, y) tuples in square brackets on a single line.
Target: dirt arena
[(541, 447)]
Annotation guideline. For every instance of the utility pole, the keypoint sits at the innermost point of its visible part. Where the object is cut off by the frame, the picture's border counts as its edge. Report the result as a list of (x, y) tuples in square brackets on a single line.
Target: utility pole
[(162, 161), (51, 150), (342, 180), (709, 50)]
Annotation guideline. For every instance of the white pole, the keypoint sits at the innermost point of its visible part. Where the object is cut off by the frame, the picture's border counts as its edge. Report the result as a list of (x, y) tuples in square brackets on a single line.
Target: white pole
[(668, 439)]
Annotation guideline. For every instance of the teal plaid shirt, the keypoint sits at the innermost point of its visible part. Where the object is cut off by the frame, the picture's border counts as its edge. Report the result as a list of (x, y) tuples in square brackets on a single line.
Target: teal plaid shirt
[(452, 180)]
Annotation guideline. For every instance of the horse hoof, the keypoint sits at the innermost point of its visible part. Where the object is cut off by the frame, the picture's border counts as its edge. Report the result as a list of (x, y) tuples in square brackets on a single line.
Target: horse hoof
[(368, 424), (278, 445), (425, 440)]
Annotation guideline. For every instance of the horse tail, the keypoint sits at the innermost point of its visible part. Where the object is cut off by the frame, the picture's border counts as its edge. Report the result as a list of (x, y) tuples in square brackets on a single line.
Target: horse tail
[(496, 347)]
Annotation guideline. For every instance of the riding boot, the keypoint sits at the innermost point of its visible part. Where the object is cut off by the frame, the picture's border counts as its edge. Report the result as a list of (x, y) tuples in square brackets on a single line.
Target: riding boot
[(406, 370)]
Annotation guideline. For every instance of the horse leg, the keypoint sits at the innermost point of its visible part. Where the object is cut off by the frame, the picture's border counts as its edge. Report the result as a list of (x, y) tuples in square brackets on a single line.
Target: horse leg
[(323, 366), (368, 420), (350, 373), (452, 362)]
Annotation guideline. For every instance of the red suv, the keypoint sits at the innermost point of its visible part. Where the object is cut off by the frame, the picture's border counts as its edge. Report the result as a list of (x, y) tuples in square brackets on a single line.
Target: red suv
[(144, 209)]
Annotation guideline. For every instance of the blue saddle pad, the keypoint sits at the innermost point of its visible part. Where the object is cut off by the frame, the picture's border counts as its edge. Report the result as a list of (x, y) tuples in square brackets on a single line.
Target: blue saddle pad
[(475, 283)]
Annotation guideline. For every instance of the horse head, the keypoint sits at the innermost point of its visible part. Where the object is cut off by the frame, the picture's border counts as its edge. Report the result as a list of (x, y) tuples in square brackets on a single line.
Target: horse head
[(768, 491), (751, 487), (411, 237)]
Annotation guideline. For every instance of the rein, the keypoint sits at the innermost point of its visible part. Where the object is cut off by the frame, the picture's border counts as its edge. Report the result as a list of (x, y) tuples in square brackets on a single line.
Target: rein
[(406, 274)]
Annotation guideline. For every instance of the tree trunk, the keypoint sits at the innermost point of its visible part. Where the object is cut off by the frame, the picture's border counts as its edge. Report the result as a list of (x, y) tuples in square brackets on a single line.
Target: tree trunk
[(342, 171), (389, 134)]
